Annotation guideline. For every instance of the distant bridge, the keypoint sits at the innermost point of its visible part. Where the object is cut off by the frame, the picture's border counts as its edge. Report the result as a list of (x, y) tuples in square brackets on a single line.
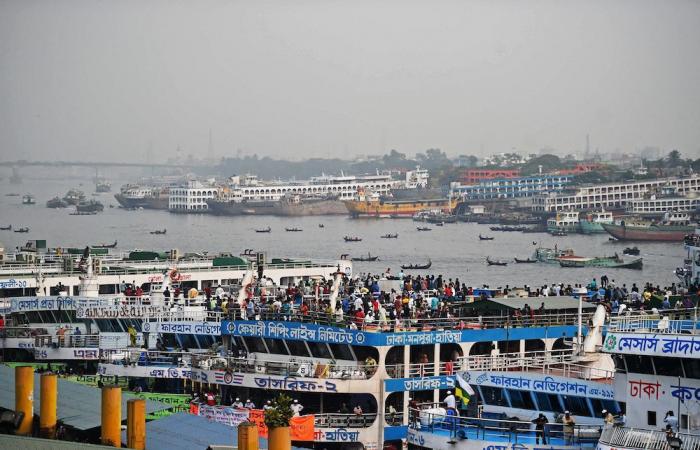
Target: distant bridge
[(24, 163)]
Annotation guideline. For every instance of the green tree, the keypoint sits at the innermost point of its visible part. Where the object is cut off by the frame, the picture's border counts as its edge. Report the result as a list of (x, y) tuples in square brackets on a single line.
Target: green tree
[(674, 159)]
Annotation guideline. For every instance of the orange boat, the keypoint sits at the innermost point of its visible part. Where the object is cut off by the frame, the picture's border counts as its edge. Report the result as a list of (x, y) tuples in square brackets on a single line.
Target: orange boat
[(375, 206)]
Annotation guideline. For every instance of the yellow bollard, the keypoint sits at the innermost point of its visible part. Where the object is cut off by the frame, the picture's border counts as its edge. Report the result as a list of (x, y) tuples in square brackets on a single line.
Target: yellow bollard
[(136, 423), (248, 436), (279, 438), (112, 416), (24, 398), (47, 408)]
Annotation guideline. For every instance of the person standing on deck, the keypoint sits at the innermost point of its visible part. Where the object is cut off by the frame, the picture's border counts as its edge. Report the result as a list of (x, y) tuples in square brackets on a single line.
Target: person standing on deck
[(540, 424), (568, 427)]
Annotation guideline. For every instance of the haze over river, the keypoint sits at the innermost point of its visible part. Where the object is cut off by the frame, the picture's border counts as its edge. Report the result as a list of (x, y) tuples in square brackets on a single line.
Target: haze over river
[(454, 249)]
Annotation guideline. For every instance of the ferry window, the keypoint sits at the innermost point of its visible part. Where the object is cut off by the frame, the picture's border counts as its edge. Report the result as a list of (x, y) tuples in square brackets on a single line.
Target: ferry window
[(319, 350), (107, 289), (63, 316), (668, 366), (297, 348), (577, 405), (639, 364), (521, 399), (493, 396), (548, 402), (276, 346), (341, 351), (600, 405), (651, 418), (187, 341), (692, 368), (255, 345)]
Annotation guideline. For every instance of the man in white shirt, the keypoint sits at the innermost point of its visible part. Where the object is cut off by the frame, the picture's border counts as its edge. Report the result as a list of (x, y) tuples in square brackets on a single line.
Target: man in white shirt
[(238, 403), (297, 408), (450, 401), (249, 404)]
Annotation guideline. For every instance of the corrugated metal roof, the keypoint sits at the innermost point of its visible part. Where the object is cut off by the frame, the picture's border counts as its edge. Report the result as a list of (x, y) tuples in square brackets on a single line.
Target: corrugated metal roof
[(184, 431), (78, 404), (29, 443)]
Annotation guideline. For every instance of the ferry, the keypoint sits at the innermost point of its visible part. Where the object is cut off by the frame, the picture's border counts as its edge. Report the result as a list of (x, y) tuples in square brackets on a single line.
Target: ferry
[(363, 384), (673, 228), (592, 223), (143, 196), (567, 222), (374, 205)]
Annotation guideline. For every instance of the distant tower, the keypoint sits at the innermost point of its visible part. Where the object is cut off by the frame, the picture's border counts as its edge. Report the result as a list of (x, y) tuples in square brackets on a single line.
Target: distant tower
[(588, 145), (210, 152)]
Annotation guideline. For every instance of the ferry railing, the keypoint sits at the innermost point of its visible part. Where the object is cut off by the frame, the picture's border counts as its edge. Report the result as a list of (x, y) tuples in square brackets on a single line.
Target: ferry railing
[(623, 437), (433, 418), (556, 362), (20, 332), (142, 357), (338, 420), (68, 341), (419, 324), (305, 369), (673, 321)]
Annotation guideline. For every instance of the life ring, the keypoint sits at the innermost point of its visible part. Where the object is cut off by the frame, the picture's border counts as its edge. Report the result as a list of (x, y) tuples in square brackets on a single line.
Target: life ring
[(174, 275)]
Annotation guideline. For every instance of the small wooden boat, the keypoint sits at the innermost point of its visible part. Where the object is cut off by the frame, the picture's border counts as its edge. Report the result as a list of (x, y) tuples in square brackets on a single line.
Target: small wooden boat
[(352, 239), (264, 230), (418, 266), (369, 257), (559, 233), (320, 225), (525, 261), (105, 245), (440, 224), (293, 229), (7, 228), (22, 230), (491, 262), (631, 251), (12, 194), (163, 231), (83, 213), (423, 228), (485, 238), (390, 236)]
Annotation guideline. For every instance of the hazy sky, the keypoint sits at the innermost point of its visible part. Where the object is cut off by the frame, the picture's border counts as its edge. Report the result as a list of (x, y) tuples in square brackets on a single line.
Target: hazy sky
[(102, 79)]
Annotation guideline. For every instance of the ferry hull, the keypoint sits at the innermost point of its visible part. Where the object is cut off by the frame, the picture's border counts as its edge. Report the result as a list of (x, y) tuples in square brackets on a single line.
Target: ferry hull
[(588, 227), (142, 202), (638, 233), (397, 209)]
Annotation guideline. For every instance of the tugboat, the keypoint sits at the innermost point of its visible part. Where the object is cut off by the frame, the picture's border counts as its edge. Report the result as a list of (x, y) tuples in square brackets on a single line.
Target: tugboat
[(93, 206), (56, 202), (73, 197)]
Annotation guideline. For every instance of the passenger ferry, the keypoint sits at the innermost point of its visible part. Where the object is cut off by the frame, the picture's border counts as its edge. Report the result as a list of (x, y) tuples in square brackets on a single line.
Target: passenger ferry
[(657, 356), (375, 205), (592, 223), (363, 384), (566, 221)]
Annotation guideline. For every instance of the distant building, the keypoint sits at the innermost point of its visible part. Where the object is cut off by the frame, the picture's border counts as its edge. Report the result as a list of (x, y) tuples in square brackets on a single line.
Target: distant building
[(417, 178), (508, 188), (613, 196), (474, 176)]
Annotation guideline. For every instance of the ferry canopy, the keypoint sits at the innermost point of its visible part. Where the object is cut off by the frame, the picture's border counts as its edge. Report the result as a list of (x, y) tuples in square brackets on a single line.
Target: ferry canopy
[(79, 406), (551, 304)]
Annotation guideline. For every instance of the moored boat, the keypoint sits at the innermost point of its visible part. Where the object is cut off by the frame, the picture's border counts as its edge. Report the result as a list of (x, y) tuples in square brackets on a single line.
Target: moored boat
[(56, 202), (593, 222), (92, 206), (651, 232)]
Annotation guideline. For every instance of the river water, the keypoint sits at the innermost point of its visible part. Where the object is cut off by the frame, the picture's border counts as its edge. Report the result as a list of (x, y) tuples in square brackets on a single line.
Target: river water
[(454, 249)]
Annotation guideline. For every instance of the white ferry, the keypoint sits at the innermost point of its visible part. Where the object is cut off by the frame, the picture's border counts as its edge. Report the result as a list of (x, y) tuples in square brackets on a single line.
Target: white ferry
[(657, 356)]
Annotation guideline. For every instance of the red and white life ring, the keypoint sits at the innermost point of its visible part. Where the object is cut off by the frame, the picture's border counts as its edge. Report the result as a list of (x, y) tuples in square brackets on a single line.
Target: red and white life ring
[(174, 275)]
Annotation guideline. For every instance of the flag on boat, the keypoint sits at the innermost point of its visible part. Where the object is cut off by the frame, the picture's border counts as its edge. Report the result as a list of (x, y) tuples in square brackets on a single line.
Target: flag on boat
[(463, 391)]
